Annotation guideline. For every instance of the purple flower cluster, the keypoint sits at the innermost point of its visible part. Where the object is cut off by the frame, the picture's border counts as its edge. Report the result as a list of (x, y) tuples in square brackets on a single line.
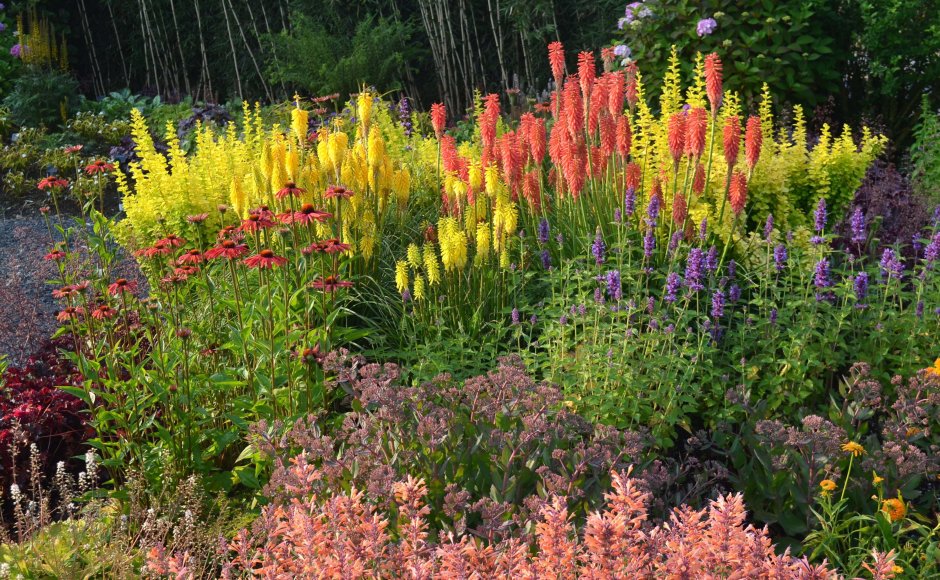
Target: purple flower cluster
[(706, 26), (861, 286), (780, 257), (857, 226), (614, 287), (718, 304), (769, 228), (544, 231), (693, 270), (673, 283), (822, 280), (629, 202), (515, 316), (404, 116), (819, 217), (703, 229), (598, 248), (546, 260), (891, 266)]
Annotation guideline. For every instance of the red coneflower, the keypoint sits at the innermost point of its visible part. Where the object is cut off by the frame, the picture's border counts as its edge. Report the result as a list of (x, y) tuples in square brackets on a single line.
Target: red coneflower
[(698, 182), (54, 256), (98, 166), (197, 218), (337, 191), (752, 141), (265, 259), (290, 189), (438, 118), (74, 148), (172, 241), (264, 211), (331, 246), (228, 249), (160, 248), (64, 292), (193, 256), (586, 74), (81, 287), (677, 132), (186, 271), (52, 182), (255, 222), (737, 192), (713, 81), (556, 58), (330, 284), (230, 232), (122, 285), (696, 125), (732, 139), (175, 277), (44, 210), (103, 312), (679, 209), (70, 313)]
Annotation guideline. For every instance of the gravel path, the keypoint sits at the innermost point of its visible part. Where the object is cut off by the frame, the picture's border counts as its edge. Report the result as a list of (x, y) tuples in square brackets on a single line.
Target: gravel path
[(27, 309)]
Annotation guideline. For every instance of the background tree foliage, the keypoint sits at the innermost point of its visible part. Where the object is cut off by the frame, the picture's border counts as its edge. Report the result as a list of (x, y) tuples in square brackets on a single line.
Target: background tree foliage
[(881, 57)]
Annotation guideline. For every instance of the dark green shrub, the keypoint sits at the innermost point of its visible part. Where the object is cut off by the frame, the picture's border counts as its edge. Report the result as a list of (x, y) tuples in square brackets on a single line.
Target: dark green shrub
[(42, 98), (784, 44)]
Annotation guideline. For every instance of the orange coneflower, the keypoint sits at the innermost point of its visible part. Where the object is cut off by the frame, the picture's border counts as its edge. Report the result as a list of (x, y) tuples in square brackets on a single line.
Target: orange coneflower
[(64, 292), (677, 131), (752, 142), (265, 259), (70, 313), (289, 189), (54, 256), (122, 285), (330, 284), (438, 118), (737, 192), (895, 508), (713, 81), (696, 125), (193, 256), (103, 312), (228, 249), (556, 58), (52, 182), (337, 191), (98, 166), (732, 139)]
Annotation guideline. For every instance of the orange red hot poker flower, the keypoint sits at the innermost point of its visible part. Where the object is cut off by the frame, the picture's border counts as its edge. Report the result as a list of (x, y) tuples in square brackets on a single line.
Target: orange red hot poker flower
[(438, 118), (737, 192), (752, 142), (713, 81), (732, 140)]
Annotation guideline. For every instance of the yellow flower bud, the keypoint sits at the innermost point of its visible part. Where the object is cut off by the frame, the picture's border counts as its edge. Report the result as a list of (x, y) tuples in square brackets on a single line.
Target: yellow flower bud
[(299, 119), (431, 267), (419, 287)]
